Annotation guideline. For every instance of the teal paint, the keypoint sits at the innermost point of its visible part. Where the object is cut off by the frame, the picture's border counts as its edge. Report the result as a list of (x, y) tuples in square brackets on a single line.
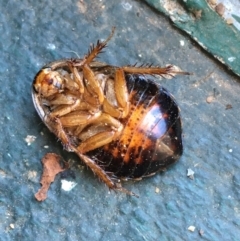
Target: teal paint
[(209, 30)]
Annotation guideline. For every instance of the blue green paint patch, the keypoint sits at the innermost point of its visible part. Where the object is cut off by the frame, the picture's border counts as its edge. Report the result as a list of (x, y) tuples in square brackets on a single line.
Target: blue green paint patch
[(206, 27)]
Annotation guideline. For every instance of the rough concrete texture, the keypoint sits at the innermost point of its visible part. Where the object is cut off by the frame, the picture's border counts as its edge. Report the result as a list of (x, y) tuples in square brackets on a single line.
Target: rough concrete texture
[(36, 32)]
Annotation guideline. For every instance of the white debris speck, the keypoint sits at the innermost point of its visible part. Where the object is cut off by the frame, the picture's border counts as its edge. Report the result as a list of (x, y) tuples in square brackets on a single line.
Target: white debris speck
[(32, 175), (127, 6), (230, 150), (30, 139), (12, 226), (51, 46), (46, 147), (68, 185), (2, 173), (157, 190), (210, 99), (191, 228), (190, 173), (231, 59), (182, 43)]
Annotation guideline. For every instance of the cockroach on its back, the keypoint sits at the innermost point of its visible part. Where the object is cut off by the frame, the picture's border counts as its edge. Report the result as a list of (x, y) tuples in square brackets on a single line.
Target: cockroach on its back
[(120, 124)]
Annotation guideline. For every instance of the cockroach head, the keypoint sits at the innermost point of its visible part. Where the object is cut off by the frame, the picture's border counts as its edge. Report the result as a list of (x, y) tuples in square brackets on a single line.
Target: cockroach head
[(48, 82)]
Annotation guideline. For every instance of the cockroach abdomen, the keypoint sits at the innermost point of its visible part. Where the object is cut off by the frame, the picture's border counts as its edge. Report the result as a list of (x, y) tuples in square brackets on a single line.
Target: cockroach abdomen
[(152, 135)]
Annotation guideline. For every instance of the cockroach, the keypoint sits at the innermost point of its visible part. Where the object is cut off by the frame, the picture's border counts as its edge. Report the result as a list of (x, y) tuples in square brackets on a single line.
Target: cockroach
[(120, 123)]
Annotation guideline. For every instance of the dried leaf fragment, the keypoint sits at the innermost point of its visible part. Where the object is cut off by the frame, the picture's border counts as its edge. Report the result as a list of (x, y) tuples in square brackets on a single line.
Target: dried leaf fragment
[(51, 167)]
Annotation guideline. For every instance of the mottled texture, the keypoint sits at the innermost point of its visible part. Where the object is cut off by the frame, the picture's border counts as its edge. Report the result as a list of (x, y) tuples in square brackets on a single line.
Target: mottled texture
[(34, 33)]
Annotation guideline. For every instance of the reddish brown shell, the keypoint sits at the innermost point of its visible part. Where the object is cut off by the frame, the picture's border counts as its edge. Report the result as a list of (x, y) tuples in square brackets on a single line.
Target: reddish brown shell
[(121, 124), (152, 137)]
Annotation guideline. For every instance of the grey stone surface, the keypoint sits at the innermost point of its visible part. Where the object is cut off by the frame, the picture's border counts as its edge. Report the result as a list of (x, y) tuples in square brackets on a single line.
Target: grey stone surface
[(36, 32)]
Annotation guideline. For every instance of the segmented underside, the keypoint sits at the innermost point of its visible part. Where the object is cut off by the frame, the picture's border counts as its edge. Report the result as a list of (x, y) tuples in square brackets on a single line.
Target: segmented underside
[(151, 139)]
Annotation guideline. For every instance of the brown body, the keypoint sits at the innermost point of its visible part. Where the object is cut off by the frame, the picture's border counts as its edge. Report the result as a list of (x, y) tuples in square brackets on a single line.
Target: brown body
[(151, 138), (118, 122)]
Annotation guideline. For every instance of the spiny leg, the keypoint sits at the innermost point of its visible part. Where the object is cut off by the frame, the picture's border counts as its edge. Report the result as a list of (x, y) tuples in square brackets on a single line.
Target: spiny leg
[(94, 51), (103, 175), (57, 129), (151, 70), (61, 134)]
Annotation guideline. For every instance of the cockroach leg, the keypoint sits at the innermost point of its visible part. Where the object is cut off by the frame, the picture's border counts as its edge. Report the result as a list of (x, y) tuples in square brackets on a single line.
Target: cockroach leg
[(103, 137), (151, 70), (92, 85), (110, 121), (77, 118), (94, 51), (102, 174), (121, 90), (58, 130), (61, 134), (65, 109), (61, 99), (96, 141), (122, 97), (76, 77)]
